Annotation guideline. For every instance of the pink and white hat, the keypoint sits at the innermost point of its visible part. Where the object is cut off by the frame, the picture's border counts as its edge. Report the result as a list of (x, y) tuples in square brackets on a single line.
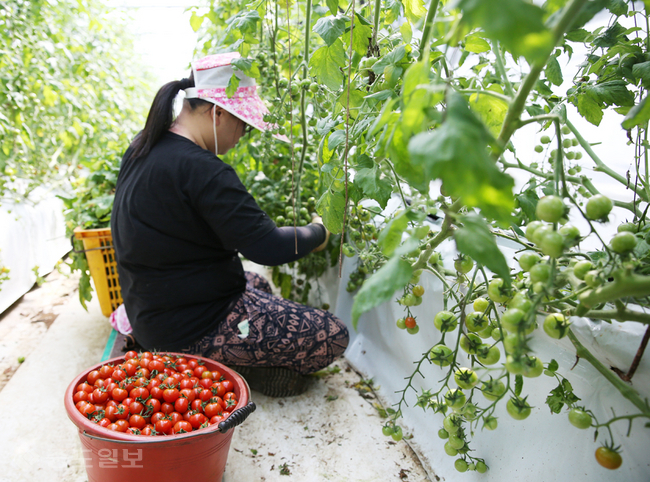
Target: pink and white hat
[(211, 77)]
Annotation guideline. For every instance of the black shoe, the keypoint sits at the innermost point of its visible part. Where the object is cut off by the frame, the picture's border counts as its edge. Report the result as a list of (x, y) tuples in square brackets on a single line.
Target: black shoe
[(274, 381)]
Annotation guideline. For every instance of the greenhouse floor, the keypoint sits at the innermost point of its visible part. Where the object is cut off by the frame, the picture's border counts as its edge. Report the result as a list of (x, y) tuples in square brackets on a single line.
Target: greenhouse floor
[(332, 432)]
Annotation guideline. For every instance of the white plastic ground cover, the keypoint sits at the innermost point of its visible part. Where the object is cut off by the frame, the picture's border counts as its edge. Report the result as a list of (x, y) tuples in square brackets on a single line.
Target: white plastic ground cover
[(30, 235), (544, 447)]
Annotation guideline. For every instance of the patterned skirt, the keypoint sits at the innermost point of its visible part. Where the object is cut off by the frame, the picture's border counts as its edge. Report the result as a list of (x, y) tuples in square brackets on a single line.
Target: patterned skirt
[(281, 333)]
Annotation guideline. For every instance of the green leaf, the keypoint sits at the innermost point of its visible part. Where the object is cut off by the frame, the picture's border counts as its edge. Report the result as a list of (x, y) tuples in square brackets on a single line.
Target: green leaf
[(330, 28), (196, 21), (578, 35), (611, 92), (331, 206), (642, 71), (457, 153), (617, 7), (490, 109), (517, 24), (360, 37), (407, 32), (245, 22), (233, 85), (519, 384), (553, 71), (392, 58), (369, 178), (248, 66), (477, 241), (588, 108), (560, 395), (333, 6), (528, 203), (325, 64), (591, 8), (414, 10), (381, 287), (476, 44), (553, 365), (391, 236), (335, 139), (638, 115)]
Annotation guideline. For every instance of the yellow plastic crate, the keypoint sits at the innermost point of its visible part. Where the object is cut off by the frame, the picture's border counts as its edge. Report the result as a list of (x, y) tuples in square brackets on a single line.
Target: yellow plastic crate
[(98, 246)]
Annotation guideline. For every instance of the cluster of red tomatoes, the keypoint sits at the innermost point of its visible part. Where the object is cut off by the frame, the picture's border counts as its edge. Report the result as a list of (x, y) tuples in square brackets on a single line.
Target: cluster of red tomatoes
[(151, 394)]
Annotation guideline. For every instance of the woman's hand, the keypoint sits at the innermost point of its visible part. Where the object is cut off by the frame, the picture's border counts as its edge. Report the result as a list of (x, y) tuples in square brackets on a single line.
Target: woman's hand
[(319, 220)]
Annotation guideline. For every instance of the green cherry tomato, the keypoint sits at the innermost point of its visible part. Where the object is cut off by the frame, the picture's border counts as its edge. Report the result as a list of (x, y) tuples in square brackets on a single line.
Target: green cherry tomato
[(414, 330), (552, 244), (449, 450), (556, 325), (476, 321), (528, 260), (490, 423), (533, 367), (463, 265), (387, 430), (455, 399), (401, 323), (441, 355), (593, 279), (486, 333), (452, 423), (480, 304), (570, 233), (511, 319), (515, 367), (623, 243), (470, 343), (460, 465), (581, 268), (443, 434), (409, 299), (465, 378), (456, 442), (521, 302), (348, 250), (539, 233), (629, 227), (445, 321), (579, 418), (598, 207), (397, 433), (492, 356), (493, 389), (608, 458), (518, 408), (545, 140), (541, 272), (418, 290), (531, 228), (481, 468), (539, 148), (550, 209), (496, 291)]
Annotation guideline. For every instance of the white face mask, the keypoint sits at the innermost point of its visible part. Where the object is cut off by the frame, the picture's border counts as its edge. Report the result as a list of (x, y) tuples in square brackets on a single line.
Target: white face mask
[(214, 130)]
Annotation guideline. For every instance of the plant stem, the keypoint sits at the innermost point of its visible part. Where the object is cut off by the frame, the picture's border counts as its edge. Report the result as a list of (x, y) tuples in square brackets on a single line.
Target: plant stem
[(428, 27), (375, 29), (624, 285), (620, 315), (626, 390), (502, 69), (511, 122)]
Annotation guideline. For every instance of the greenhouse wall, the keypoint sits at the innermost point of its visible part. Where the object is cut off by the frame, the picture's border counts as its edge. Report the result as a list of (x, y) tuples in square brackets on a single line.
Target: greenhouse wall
[(544, 447)]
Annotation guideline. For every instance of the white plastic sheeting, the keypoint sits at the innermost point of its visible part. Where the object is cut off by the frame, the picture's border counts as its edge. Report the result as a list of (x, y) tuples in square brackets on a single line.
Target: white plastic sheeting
[(30, 235), (544, 447)]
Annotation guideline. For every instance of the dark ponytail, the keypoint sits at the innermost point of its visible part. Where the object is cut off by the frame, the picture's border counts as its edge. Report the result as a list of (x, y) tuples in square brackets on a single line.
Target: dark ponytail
[(160, 118)]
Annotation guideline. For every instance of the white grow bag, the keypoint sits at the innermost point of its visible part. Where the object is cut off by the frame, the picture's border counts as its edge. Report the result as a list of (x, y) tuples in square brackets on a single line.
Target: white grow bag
[(30, 235)]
